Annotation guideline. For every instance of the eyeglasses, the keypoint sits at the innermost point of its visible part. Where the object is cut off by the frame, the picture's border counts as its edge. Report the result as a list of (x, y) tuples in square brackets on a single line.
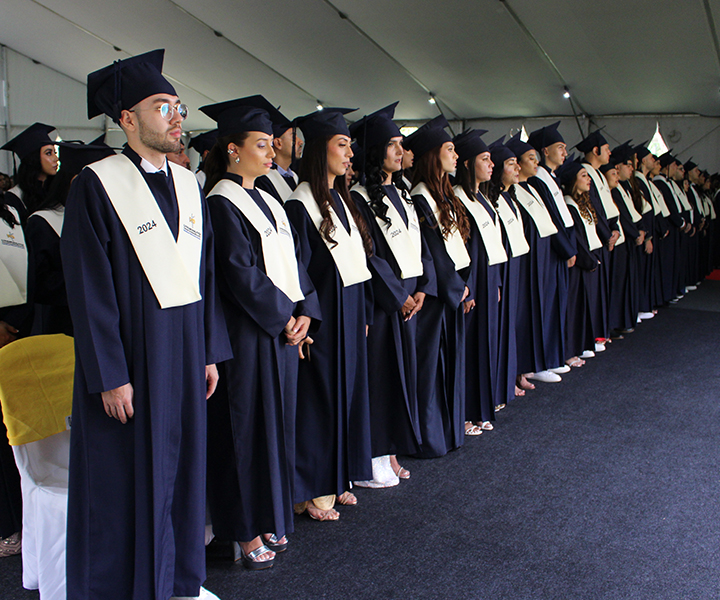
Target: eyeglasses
[(167, 110)]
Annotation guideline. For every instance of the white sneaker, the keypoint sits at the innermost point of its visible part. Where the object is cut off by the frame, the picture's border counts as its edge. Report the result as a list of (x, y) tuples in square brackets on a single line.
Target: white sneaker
[(645, 315), (204, 595), (599, 347), (691, 288), (588, 354), (560, 370), (545, 377), (383, 475)]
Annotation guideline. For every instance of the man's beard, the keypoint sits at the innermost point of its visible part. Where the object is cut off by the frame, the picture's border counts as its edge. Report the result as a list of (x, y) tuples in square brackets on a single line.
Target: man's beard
[(156, 140)]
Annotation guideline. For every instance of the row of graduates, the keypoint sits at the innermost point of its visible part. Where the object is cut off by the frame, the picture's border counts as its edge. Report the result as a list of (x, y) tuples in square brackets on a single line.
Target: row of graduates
[(426, 304), (423, 301)]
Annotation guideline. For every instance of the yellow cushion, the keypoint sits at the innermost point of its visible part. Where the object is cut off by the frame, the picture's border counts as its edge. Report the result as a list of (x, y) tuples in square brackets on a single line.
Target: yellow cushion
[(36, 386)]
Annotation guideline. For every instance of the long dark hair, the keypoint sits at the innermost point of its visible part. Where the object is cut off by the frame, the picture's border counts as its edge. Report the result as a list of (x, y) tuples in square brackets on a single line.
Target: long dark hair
[(636, 193), (314, 170), (5, 213), (428, 170), (218, 160), (33, 189), (495, 185), (57, 192), (465, 175), (585, 207)]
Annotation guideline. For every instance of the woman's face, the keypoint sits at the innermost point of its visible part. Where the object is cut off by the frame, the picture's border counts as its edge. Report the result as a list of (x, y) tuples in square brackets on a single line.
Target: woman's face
[(255, 155), (511, 172), (612, 177), (528, 164), (48, 160), (625, 170), (339, 154), (393, 155), (408, 158), (483, 167), (582, 181), (448, 157)]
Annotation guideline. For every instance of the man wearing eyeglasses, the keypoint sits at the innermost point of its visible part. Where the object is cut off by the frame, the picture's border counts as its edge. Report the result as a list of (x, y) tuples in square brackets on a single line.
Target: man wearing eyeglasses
[(137, 255)]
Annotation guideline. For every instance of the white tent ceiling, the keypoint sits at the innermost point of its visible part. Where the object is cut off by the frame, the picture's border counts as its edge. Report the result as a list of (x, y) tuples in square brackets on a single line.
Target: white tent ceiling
[(481, 58)]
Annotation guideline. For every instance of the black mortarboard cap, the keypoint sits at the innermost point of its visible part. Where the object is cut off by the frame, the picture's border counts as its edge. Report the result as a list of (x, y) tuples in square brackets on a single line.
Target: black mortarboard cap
[(324, 123), (237, 116), (280, 123), (469, 144), (608, 167), (666, 159), (517, 146), (123, 84), (358, 157), (204, 141), (690, 165), (621, 154), (567, 172), (641, 150), (74, 156), (499, 152), (430, 135), (593, 140), (545, 136), (376, 128), (32, 139)]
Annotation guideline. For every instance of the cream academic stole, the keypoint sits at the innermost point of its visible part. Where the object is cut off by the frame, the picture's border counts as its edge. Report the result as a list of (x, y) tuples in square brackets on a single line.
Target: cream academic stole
[(172, 268), (278, 246), (590, 231), (404, 241), (454, 244), (534, 205), (54, 218), (490, 233), (513, 227), (280, 184), (345, 248), (13, 263)]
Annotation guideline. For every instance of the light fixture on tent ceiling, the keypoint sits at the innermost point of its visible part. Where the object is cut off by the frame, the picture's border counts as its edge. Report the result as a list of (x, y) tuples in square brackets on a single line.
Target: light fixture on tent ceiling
[(657, 144), (566, 93), (320, 105), (431, 99)]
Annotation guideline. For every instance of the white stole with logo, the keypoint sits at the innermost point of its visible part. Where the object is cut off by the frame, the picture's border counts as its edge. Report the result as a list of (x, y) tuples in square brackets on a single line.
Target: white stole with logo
[(513, 227), (346, 249), (404, 241), (603, 189), (172, 268), (549, 180), (532, 203), (454, 244), (590, 231), (280, 184), (278, 246), (490, 233), (54, 218), (13, 263)]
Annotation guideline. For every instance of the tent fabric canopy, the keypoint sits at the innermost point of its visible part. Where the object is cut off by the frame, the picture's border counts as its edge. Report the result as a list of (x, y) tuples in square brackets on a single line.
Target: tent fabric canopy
[(480, 58)]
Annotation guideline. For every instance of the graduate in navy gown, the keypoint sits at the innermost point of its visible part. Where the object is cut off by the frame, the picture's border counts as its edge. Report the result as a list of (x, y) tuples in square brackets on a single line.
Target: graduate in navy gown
[(269, 304), (482, 306), (441, 326), (539, 339), (148, 332), (583, 288), (38, 165), (42, 231), (333, 417), (552, 150), (402, 275), (16, 314), (501, 193)]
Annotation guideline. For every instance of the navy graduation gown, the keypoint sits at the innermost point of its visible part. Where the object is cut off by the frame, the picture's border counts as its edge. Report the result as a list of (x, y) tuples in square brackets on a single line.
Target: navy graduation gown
[(538, 288), (562, 248), (673, 249), (251, 417), (583, 293), (333, 413), (52, 314), (136, 505), (392, 341), (441, 347), (482, 329), (507, 344), (624, 272)]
